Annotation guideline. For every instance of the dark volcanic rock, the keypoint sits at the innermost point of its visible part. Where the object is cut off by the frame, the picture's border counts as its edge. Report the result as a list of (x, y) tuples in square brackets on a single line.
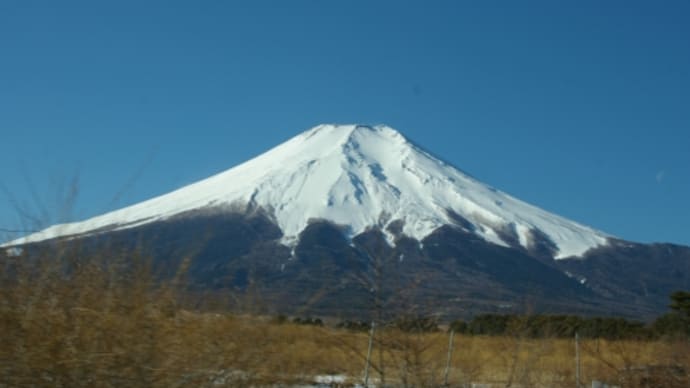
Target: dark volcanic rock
[(452, 272), (639, 275)]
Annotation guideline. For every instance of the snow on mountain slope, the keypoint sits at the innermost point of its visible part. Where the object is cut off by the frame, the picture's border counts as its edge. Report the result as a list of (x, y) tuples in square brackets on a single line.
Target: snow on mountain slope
[(357, 176)]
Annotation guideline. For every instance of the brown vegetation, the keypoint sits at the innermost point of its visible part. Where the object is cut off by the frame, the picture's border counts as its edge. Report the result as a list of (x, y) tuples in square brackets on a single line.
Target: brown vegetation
[(112, 322)]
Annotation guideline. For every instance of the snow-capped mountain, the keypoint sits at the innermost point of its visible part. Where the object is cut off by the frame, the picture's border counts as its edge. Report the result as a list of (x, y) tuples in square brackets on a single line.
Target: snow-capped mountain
[(358, 177), (321, 221)]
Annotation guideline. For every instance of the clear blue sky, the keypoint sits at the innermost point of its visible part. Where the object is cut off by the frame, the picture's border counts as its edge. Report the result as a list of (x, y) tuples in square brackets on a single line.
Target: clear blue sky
[(579, 107)]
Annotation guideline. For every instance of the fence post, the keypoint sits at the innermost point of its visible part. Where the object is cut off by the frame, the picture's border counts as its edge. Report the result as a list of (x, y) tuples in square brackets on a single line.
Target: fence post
[(451, 344), (371, 344), (577, 359)]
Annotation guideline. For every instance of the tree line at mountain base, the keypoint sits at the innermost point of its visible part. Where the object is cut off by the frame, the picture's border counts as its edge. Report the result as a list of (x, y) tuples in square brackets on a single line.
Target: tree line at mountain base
[(566, 326), (674, 324)]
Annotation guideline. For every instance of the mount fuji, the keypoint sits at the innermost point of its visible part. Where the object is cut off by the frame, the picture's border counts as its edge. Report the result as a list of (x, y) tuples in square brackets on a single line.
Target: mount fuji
[(360, 177), (325, 209)]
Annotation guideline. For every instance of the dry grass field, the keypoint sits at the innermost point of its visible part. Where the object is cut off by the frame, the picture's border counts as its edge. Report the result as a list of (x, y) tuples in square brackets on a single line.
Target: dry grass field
[(106, 324)]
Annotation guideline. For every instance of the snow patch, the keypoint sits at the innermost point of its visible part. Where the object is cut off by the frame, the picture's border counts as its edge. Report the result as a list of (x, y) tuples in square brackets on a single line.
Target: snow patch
[(14, 251)]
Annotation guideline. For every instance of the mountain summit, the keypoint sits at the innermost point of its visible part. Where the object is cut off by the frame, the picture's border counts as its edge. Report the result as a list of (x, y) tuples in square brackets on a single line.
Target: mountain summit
[(358, 177)]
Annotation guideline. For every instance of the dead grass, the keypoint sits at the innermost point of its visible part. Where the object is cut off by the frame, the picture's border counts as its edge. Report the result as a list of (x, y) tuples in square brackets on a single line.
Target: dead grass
[(108, 322)]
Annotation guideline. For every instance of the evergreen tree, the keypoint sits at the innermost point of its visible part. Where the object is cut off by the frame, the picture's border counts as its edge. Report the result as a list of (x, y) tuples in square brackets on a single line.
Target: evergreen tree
[(680, 303), (677, 322)]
